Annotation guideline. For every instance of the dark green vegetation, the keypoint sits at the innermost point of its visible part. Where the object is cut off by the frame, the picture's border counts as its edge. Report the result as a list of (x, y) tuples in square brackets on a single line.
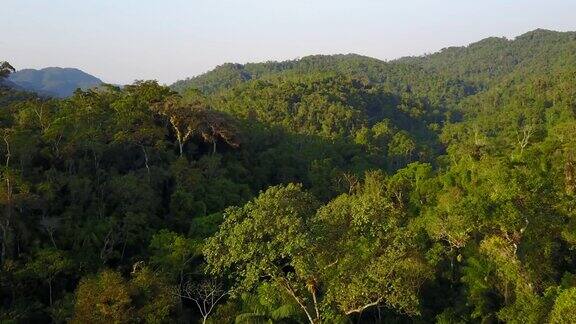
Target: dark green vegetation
[(331, 189), (53, 81)]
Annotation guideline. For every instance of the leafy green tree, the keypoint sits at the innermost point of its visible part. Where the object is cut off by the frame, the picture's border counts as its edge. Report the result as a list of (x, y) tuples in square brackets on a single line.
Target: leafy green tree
[(354, 237), (564, 307), (134, 123), (152, 297), (47, 265), (104, 298), (366, 252), (109, 298), (279, 220), (173, 253)]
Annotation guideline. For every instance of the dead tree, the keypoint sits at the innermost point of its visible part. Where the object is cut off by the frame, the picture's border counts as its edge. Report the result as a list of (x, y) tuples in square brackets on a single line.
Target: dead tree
[(205, 295)]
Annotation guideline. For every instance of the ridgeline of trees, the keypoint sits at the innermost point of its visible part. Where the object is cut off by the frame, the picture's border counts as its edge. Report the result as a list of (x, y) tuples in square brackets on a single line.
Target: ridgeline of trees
[(331, 189)]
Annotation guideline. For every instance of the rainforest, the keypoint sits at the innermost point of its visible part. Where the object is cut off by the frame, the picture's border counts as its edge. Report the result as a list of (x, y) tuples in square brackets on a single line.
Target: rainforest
[(328, 189)]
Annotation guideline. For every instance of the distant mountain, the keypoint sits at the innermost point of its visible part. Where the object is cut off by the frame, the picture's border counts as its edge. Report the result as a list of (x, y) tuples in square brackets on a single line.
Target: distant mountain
[(5, 83), (54, 81)]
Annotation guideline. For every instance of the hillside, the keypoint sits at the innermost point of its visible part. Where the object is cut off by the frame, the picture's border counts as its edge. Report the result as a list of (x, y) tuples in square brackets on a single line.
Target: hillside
[(468, 69), (54, 81)]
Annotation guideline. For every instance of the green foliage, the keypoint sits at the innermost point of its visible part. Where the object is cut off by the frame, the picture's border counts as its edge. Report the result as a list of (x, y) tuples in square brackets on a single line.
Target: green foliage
[(109, 298), (172, 253), (564, 309), (277, 220), (103, 299), (328, 189)]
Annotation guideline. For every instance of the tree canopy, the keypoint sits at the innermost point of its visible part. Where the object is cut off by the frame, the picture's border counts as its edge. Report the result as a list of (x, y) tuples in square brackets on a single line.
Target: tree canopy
[(330, 189)]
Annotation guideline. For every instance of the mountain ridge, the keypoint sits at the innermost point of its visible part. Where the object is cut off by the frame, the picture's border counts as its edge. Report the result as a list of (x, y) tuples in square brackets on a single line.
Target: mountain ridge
[(491, 56), (54, 81)]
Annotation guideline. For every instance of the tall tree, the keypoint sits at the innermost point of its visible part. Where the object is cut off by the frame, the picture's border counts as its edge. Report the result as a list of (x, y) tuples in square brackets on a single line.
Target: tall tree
[(5, 69)]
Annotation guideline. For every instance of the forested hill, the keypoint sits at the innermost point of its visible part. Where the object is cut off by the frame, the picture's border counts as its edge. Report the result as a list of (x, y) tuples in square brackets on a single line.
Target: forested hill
[(473, 65), (54, 81), (330, 189)]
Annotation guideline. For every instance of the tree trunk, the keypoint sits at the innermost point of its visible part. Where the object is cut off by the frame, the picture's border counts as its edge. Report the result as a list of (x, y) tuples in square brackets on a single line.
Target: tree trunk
[(4, 243), (146, 158), (284, 283), (315, 304), (50, 289), (51, 233), (6, 224)]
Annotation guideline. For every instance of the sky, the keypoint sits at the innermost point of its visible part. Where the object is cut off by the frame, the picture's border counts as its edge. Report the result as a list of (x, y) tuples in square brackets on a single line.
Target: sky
[(120, 41)]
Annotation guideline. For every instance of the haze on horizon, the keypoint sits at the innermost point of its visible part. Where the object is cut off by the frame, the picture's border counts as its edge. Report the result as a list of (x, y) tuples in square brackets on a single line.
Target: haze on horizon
[(120, 42)]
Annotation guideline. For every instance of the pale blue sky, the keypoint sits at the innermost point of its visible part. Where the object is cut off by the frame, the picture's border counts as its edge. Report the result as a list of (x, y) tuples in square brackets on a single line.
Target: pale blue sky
[(123, 40)]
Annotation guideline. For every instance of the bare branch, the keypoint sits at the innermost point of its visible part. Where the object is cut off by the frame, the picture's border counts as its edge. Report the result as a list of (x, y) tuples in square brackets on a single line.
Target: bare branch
[(206, 295)]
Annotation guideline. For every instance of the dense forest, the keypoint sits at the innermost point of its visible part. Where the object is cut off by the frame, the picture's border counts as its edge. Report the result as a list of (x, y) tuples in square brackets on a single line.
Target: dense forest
[(329, 189)]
